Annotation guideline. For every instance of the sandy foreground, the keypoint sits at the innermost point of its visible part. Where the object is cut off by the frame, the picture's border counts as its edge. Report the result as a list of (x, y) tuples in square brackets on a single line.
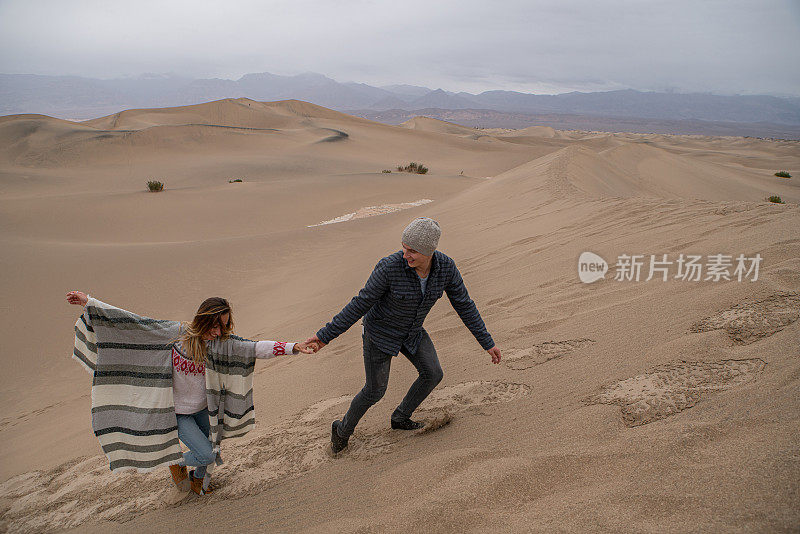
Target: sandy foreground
[(620, 405)]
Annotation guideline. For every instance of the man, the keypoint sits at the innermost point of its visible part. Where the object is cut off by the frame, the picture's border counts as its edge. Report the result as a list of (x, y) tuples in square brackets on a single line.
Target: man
[(394, 302)]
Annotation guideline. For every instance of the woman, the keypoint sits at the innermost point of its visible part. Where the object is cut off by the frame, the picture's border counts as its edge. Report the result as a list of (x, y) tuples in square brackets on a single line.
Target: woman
[(156, 382)]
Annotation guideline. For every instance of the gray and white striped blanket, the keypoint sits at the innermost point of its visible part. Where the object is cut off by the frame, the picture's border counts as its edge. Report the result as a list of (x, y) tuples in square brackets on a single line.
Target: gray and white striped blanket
[(133, 415)]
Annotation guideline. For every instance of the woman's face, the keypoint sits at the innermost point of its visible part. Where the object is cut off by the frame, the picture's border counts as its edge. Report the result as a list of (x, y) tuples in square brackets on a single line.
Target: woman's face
[(216, 329)]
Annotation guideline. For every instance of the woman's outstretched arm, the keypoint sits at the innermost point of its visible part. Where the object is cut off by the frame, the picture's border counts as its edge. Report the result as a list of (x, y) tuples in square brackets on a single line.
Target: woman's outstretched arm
[(78, 298), (271, 349)]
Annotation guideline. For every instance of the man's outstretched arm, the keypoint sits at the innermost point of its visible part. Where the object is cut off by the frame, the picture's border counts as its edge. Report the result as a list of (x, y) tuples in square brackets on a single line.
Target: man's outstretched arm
[(377, 285), (466, 309)]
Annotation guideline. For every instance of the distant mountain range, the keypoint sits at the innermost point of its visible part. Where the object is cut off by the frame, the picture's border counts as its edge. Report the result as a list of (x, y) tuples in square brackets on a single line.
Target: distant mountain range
[(74, 97), (501, 119)]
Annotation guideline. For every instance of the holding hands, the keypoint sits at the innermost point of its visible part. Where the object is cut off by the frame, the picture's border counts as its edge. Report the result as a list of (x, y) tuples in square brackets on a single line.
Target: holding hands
[(315, 342), (305, 347)]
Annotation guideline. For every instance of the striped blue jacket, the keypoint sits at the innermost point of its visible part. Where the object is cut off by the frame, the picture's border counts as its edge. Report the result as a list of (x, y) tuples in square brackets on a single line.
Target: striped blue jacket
[(394, 307)]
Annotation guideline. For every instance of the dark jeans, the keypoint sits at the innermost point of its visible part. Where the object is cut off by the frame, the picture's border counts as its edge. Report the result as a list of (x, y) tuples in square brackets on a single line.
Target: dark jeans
[(376, 367)]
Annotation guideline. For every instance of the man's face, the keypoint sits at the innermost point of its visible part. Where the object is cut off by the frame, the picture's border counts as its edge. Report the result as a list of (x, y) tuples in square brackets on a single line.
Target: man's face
[(414, 258)]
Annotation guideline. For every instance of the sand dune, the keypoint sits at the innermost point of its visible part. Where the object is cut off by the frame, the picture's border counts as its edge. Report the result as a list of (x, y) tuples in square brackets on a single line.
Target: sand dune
[(235, 113), (428, 124), (220, 126), (540, 131), (70, 494), (620, 405)]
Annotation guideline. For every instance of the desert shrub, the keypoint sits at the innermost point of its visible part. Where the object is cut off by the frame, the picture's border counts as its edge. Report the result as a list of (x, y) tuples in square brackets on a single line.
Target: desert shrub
[(776, 199), (155, 186), (783, 174), (413, 167), (235, 180), (386, 171)]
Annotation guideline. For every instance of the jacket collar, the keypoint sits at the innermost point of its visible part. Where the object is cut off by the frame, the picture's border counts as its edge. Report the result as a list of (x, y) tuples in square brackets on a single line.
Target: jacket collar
[(434, 264)]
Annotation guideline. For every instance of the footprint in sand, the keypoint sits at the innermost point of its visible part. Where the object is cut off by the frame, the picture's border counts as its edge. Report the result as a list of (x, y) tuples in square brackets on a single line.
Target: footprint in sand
[(438, 410), (85, 489), (748, 322), (521, 359), (669, 389)]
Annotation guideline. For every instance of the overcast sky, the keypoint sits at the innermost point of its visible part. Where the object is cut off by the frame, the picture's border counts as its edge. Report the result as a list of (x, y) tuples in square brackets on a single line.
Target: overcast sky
[(547, 46)]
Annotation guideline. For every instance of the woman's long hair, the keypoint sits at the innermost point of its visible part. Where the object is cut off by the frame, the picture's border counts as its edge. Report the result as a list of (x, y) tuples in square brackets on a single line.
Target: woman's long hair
[(208, 315)]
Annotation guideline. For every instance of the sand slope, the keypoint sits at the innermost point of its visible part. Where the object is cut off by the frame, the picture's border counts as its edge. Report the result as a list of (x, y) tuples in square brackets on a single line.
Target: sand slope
[(619, 406)]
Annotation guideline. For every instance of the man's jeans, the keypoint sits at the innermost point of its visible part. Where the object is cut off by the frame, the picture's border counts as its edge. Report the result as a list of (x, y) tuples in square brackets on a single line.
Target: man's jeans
[(376, 367)]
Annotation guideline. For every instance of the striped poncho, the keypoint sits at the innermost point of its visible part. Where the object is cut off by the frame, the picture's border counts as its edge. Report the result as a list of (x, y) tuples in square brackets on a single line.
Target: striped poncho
[(133, 415)]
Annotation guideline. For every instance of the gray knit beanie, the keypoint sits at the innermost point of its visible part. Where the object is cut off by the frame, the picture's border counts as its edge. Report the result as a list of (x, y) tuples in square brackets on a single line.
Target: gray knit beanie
[(422, 235)]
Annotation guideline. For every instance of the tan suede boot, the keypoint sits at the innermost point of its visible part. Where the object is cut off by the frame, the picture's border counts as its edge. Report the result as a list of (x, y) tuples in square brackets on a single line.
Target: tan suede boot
[(197, 485), (179, 476)]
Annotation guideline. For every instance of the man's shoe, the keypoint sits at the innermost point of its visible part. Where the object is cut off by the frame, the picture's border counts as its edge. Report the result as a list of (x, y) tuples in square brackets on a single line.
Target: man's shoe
[(406, 424), (179, 476), (338, 443)]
